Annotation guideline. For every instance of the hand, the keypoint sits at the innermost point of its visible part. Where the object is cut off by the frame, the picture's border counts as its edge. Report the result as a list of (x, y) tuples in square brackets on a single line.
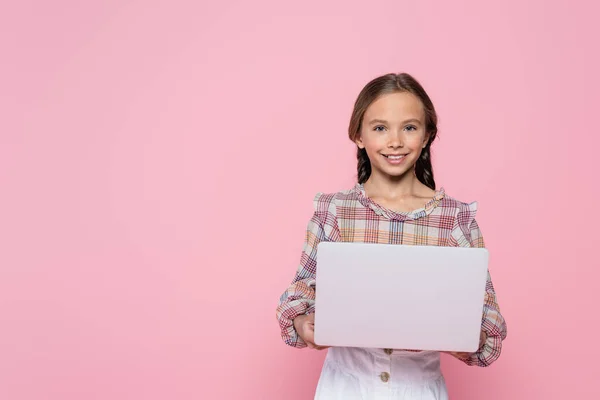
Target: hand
[(305, 326), (464, 355)]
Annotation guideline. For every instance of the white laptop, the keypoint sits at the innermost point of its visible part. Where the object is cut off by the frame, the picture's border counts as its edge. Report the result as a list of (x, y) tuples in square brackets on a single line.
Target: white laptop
[(399, 296)]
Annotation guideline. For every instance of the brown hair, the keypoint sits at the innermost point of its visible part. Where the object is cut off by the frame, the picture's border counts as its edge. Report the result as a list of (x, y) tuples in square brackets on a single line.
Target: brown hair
[(386, 84)]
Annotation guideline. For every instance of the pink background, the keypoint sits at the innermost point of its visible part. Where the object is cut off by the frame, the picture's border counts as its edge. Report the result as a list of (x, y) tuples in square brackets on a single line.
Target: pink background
[(158, 161)]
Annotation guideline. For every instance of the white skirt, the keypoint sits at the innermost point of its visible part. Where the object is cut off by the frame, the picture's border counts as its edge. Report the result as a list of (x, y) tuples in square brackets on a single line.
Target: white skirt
[(358, 373)]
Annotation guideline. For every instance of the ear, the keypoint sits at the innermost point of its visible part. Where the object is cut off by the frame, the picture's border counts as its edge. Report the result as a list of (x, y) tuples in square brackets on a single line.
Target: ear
[(359, 143), (426, 140)]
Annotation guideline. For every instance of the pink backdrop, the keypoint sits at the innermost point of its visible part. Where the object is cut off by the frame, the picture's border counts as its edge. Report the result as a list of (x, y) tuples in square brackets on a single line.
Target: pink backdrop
[(158, 161)]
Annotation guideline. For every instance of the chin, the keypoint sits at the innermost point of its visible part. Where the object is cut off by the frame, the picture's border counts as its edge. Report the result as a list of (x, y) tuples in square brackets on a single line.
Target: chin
[(394, 172)]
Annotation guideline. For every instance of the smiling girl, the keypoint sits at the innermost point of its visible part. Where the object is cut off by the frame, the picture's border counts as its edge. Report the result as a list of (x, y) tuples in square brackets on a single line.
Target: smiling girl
[(395, 201)]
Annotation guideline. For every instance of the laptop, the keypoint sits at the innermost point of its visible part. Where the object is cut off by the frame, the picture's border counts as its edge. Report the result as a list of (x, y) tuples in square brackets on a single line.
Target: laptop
[(399, 296)]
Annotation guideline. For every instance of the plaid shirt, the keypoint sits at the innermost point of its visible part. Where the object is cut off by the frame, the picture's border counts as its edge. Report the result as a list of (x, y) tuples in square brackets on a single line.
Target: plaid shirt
[(350, 216)]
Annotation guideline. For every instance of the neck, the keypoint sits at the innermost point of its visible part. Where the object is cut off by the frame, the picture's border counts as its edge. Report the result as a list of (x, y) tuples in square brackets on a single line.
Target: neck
[(391, 187)]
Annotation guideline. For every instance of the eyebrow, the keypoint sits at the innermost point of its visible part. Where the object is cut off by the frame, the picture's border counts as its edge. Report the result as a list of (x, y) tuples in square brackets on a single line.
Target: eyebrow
[(382, 121)]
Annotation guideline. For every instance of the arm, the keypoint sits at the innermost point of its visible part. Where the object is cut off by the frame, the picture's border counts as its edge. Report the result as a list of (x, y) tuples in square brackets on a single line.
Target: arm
[(493, 326), (299, 298)]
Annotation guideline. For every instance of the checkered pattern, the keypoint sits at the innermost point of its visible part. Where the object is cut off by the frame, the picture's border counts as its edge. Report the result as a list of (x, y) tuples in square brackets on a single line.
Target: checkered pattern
[(350, 216)]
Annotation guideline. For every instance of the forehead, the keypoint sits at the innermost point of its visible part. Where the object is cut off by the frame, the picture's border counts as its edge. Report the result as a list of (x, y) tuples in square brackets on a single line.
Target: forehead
[(395, 107)]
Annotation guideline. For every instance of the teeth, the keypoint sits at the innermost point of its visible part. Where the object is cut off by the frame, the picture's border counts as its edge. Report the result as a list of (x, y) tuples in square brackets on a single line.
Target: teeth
[(395, 157)]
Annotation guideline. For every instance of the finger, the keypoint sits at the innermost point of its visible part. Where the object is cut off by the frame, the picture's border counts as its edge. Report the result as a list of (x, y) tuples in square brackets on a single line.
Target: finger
[(309, 335), (461, 355), (482, 339), (317, 347)]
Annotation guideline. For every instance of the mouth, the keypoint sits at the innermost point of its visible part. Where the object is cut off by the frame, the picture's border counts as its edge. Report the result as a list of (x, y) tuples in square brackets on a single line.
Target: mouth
[(394, 158)]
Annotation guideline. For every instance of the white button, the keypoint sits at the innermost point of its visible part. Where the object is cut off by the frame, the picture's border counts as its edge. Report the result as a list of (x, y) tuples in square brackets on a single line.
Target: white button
[(384, 376)]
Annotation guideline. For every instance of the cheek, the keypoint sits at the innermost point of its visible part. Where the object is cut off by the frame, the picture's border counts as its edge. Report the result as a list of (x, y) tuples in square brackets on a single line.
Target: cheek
[(416, 141), (370, 141)]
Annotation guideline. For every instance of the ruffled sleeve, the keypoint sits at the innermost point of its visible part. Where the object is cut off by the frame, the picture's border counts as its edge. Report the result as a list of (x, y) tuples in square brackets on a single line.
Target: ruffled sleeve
[(299, 297), (468, 234)]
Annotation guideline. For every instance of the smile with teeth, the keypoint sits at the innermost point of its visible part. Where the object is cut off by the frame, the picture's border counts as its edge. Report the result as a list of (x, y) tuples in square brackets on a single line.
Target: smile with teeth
[(394, 159)]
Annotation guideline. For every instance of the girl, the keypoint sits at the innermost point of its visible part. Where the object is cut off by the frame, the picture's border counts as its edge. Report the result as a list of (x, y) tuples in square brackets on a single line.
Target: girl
[(395, 201)]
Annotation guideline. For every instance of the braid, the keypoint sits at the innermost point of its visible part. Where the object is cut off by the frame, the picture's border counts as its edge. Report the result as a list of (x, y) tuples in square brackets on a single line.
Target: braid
[(424, 169), (363, 166)]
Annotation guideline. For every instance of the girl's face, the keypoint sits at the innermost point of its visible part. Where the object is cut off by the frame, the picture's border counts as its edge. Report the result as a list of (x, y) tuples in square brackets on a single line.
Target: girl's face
[(393, 134)]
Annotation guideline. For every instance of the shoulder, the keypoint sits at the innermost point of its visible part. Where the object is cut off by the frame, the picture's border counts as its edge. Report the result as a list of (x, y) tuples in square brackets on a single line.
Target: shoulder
[(461, 207), (328, 202), (464, 212), (464, 224), (326, 211)]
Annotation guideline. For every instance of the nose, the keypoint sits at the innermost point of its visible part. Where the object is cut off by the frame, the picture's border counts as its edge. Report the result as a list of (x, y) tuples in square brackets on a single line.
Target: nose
[(395, 140)]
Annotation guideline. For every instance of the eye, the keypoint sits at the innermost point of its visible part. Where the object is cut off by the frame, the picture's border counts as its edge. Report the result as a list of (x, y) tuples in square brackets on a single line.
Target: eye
[(379, 128), (411, 128)]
